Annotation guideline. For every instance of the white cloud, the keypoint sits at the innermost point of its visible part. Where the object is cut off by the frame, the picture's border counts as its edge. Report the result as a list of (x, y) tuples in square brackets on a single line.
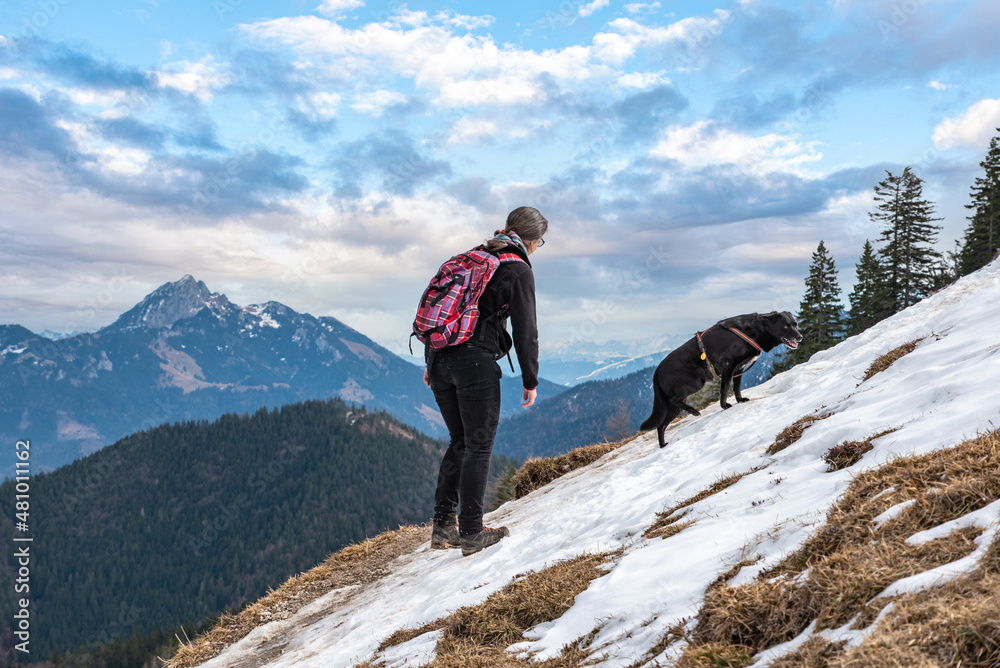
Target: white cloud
[(642, 80), (463, 70), (588, 9), (464, 21), (375, 103), (974, 128), (937, 85), (324, 104), (636, 7), (701, 145), (200, 79), (336, 7), (628, 35), (470, 130)]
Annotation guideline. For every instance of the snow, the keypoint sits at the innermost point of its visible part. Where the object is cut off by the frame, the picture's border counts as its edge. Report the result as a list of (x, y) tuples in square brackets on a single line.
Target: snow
[(892, 512), (939, 395)]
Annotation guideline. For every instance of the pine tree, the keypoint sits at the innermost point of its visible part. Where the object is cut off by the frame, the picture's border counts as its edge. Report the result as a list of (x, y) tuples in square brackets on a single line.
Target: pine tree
[(982, 237), (868, 298), (819, 315), (909, 259)]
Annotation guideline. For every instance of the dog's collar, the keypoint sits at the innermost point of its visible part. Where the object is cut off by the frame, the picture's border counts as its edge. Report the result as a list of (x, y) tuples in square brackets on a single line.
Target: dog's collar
[(704, 355)]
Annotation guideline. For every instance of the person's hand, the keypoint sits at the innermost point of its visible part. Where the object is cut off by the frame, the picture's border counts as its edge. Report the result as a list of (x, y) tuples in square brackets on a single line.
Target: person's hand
[(427, 380), (529, 397)]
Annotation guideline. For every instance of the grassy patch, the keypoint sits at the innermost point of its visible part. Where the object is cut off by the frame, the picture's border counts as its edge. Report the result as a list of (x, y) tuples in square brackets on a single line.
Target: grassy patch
[(883, 362), (478, 636), (814, 653), (838, 573), (536, 473), (954, 625), (793, 432), (849, 453), (360, 563), (666, 519), (715, 656)]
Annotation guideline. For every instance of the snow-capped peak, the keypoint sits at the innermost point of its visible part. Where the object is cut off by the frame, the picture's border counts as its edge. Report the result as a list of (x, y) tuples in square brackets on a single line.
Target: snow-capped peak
[(172, 302)]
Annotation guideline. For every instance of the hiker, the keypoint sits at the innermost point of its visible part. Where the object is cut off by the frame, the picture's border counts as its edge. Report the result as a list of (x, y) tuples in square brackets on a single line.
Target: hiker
[(465, 378)]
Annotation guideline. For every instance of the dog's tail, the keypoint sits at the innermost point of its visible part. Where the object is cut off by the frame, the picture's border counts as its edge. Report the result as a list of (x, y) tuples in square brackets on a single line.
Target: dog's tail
[(659, 410)]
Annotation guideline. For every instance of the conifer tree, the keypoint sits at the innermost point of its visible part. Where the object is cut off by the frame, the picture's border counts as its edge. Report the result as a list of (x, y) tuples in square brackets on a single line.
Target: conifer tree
[(909, 259), (868, 298), (982, 237), (819, 315)]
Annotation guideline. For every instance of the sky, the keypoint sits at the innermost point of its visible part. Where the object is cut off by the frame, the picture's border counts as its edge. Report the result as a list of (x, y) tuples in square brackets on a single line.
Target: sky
[(330, 154)]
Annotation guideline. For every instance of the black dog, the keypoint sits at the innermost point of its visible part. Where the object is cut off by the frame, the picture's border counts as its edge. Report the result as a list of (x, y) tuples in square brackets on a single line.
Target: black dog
[(727, 353)]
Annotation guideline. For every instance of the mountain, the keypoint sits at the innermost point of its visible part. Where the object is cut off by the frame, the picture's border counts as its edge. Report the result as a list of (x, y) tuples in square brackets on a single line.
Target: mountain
[(871, 540), (586, 413), (187, 520), (581, 361), (187, 353)]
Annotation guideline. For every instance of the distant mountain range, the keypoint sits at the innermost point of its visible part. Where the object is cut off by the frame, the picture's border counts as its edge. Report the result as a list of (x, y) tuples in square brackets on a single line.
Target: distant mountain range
[(186, 353)]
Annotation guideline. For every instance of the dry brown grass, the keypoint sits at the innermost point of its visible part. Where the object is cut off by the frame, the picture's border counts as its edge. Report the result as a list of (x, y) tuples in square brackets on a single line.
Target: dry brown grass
[(883, 362), (954, 625), (715, 656), (814, 653), (849, 453), (536, 473), (837, 574), (666, 519), (361, 563), (478, 636), (793, 432)]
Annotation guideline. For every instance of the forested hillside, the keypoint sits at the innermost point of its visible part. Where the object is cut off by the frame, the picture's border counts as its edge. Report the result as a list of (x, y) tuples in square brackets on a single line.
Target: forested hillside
[(183, 521)]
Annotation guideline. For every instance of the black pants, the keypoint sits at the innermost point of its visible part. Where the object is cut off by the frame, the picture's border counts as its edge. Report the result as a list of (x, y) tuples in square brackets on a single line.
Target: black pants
[(466, 384)]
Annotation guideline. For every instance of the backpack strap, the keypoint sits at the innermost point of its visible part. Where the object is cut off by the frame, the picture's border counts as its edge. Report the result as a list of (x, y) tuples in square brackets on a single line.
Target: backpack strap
[(505, 257)]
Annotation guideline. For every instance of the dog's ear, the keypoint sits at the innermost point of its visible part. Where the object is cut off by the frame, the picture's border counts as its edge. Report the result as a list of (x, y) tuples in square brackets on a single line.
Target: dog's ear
[(773, 315)]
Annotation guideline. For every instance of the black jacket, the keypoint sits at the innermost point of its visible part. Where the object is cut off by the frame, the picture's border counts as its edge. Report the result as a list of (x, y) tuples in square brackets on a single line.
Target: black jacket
[(512, 286)]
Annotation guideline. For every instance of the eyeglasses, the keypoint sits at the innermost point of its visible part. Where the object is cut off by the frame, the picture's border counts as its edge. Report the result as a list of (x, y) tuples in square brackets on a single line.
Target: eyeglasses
[(541, 242)]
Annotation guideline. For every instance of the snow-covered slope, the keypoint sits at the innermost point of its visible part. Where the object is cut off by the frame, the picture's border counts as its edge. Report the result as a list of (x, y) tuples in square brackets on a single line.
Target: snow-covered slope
[(938, 395)]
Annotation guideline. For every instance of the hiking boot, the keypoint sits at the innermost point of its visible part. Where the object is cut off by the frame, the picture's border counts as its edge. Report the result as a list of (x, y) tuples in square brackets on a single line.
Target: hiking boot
[(483, 539), (445, 536)]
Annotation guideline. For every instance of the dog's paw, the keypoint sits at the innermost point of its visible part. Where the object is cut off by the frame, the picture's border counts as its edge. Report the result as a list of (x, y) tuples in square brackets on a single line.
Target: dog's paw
[(726, 405), (696, 413), (742, 400)]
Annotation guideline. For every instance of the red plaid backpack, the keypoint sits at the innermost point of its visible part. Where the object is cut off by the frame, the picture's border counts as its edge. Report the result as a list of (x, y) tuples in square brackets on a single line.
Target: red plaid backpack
[(449, 308)]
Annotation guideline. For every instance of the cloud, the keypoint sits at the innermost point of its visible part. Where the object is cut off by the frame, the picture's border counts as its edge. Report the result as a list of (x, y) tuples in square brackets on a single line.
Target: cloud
[(590, 8), (131, 131), (463, 71), (81, 68), (29, 127), (201, 79), (703, 144), (628, 35), (387, 162), (642, 80), (338, 7), (639, 7), (374, 103), (974, 128), (643, 114), (470, 130), (466, 22)]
